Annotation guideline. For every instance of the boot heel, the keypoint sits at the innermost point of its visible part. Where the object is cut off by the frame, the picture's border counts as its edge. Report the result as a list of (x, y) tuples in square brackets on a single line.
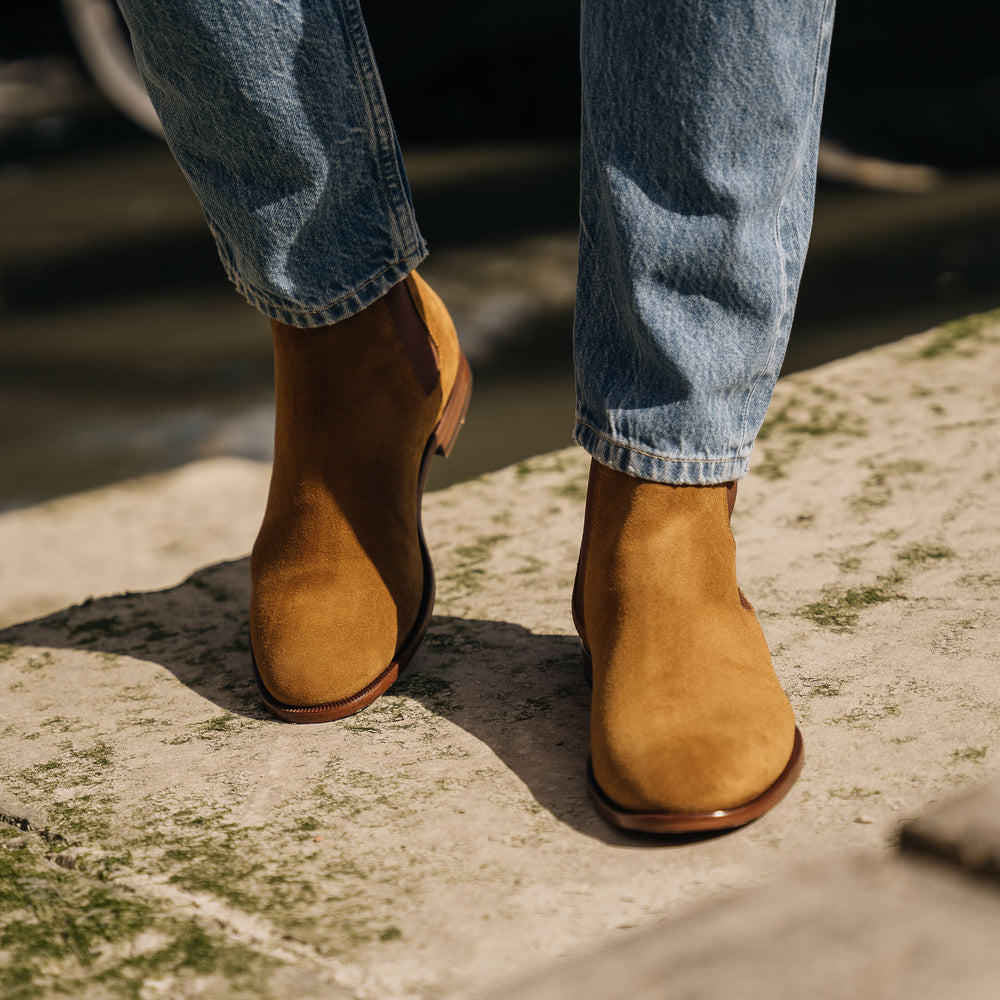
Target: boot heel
[(453, 416)]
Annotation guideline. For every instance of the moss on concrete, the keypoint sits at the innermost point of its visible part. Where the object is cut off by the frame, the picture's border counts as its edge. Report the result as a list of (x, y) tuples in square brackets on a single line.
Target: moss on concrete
[(793, 422), (855, 793), (573, 490), (468, 573), (838, 608), (811, 419), (825, 689), (918, 554), (62, 933), (958, 334), (877, 489)]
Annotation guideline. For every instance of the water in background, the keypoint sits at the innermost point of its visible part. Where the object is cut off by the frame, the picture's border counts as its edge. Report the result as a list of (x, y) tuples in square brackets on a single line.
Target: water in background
[(124, 351)]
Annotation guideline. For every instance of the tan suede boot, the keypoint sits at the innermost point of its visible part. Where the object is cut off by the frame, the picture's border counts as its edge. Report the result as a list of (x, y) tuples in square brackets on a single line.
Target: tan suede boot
[(342, 581), (690, 729)]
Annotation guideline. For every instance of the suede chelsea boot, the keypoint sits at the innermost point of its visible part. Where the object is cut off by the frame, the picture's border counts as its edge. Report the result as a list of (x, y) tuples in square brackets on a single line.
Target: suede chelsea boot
[(690, 730), (342, 583)]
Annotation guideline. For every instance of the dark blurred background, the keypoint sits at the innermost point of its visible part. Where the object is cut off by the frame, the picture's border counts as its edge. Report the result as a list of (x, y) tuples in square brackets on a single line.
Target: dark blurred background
[(123, 349)]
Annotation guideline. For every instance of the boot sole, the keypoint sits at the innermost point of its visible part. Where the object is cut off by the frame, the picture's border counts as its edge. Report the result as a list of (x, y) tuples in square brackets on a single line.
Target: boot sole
[(695, 822), (441, 441)]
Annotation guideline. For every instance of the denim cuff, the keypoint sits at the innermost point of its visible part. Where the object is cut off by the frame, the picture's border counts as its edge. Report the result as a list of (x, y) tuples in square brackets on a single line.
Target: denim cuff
[(643, 464), (297, 314)]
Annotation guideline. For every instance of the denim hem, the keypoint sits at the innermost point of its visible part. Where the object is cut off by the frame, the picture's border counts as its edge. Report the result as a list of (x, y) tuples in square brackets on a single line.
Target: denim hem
[(295, 314), (658, 468)]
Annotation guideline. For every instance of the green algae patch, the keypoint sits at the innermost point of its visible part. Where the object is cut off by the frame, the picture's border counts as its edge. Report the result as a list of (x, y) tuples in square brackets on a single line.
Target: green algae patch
[(437, 693), (225, 723), (481, 550), (60, 724), (531, 708), (825, 689), (391, 711), (468, 574), (838, 609), (572, 490), (863, 715), (917, 555), (218, 859), (39, 662), (877, 489), (73, 787), (811, 419), (531, 565), (791, 424), (61, 933), (77, 765), (959, 333), (48, 916), (140, 633), (198, 851), (99, 755), (854, 794)]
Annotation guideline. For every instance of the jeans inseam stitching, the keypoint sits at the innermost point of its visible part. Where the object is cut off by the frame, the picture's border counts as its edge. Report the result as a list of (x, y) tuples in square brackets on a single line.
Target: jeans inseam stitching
[(381, 123), (649, 454), (779, 244), (779, 325)]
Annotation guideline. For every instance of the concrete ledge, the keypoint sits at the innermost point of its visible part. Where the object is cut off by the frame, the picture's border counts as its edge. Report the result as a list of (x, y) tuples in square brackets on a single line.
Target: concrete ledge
[(138, 535), (441, 843), (964, 830), (853, 928)]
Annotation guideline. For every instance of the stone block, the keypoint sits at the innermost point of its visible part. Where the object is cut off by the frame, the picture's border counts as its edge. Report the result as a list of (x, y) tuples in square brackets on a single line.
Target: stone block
[(965, 830), (856, 928)]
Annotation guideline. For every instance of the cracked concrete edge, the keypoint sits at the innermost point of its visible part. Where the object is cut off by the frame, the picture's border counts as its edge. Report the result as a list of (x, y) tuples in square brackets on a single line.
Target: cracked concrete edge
[(919, 924), (107, 938), (575, 467), (856, 927)]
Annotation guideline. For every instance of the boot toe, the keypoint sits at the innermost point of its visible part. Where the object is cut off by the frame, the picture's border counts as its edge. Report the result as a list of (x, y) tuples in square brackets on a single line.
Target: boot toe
[(313, 652), (676, 768)]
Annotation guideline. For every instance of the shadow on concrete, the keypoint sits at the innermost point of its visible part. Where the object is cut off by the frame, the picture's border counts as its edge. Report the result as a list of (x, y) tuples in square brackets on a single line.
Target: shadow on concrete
[(520, 693)]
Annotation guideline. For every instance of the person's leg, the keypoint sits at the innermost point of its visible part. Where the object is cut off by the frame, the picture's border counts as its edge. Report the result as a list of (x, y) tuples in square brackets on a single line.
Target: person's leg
[(276, 115), (700, 129)]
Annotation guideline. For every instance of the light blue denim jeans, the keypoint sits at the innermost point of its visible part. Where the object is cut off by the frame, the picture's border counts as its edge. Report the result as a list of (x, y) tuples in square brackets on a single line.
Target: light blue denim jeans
[(700, 129)]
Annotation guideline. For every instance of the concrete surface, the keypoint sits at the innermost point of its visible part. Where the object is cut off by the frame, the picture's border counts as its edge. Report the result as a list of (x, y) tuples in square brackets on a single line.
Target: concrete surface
[(853, 928), (168, 839)]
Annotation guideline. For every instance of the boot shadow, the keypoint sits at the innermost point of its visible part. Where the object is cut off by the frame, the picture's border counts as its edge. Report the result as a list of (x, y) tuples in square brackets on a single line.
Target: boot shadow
[(520, 693)]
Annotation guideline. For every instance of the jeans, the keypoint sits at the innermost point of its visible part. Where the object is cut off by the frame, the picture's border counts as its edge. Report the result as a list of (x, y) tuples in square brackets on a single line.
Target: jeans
[(699, 134)]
